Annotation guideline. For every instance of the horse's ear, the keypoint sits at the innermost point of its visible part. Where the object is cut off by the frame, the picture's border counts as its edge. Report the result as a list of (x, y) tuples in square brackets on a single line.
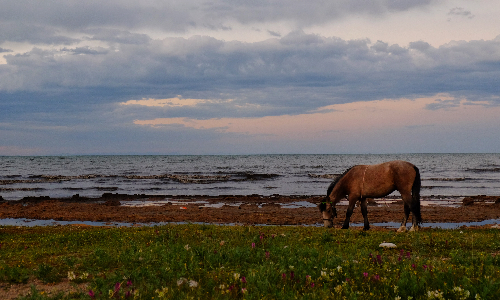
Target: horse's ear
[(322, 206)]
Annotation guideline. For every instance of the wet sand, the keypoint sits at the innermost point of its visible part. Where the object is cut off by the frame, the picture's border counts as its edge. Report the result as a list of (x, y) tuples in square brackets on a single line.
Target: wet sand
[(246, 210)]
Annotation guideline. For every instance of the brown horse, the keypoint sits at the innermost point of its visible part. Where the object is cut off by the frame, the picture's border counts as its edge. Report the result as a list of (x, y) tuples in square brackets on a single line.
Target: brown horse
[(374, 181)]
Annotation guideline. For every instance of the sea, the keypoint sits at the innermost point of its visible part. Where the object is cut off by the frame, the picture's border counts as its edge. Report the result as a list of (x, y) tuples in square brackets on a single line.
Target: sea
[(218, 175)]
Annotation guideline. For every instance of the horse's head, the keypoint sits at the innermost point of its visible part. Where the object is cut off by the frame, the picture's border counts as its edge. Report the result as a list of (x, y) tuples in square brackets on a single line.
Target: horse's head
[(328, 211)]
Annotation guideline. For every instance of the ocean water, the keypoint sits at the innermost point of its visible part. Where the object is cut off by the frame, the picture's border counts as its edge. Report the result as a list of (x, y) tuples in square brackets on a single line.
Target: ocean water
[(91, 176)]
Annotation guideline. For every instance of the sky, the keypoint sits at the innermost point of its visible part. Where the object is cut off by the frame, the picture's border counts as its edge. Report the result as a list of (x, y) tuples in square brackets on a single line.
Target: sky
[(249, 77)]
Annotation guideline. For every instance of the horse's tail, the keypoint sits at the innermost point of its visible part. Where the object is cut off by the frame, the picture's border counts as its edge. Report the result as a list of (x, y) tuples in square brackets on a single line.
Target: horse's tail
[(415, 194)]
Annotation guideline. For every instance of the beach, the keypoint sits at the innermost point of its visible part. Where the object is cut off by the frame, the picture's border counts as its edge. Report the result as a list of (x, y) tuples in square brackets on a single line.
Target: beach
[(241, 210)]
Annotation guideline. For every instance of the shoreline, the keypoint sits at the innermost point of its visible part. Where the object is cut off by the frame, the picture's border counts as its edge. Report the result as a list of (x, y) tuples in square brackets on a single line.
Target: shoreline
[(239, 209)]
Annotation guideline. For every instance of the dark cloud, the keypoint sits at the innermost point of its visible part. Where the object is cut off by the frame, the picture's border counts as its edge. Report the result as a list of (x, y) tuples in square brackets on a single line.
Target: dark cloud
[(295, 74), (2, 50), (45, 21)]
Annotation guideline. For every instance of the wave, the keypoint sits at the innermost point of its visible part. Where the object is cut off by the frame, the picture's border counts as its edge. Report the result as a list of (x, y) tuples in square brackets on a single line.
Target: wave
[(448, 179), (483, 170), (179, 178)]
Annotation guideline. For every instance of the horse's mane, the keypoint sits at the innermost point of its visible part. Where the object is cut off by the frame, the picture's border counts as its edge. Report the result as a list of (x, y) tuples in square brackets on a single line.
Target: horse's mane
[(332, 185), (322, 205)]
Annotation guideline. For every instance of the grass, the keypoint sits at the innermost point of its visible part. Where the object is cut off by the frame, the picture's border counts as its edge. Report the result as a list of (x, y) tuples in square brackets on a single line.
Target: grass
[(251, 262)]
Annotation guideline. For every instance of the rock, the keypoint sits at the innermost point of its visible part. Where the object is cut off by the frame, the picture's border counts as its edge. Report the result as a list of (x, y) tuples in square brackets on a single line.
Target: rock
[(112, 202), (387, 245), (467, 201)]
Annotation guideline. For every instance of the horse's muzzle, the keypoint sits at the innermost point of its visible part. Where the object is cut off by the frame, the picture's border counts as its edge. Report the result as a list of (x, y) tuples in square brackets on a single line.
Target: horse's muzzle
[(328, 223)]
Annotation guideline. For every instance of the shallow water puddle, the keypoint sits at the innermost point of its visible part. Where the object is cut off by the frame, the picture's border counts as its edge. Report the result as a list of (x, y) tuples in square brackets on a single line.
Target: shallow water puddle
[(32, 223)]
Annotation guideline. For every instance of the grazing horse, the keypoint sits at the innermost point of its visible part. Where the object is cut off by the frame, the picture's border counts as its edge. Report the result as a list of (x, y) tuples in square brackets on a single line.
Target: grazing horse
[(374, 181)]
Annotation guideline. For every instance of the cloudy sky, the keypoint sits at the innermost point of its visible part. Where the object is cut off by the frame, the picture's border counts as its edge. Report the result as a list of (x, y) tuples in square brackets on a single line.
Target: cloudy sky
[(249, 77)]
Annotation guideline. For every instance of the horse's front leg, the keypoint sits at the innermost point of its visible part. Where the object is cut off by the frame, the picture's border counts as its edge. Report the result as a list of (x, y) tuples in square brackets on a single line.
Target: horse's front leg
[(364, 211), (350, 209)]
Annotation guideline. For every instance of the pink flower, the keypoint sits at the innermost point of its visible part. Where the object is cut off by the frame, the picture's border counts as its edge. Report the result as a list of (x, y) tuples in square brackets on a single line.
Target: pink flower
[(243, 279), (283, 276), (253, 245), (267, 255), (117, 287), (365, 274), (312, 284), (292, 275), (129, 282), (91, 294)]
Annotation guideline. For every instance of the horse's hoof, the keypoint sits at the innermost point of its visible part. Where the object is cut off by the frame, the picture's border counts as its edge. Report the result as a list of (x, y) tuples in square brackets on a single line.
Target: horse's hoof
[(414, 228), (366, 228), (402, 229), (344, 227)]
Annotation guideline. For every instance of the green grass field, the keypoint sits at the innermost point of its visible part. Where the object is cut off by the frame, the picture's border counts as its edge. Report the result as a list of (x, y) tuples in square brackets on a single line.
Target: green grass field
[(253, 262)]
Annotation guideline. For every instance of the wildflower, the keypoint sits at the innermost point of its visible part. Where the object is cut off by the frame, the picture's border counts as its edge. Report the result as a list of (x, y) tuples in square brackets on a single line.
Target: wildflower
[(339, 268), (376, 277), (408, 255), (323, 274), (222, 243), (243, 279), (291, 267), (91, 294), (161, 293), (312, 284), (397, 298), (187, 247), (413, 266), (193, 284), (84, 275), (283, 276), (379, 259), (181, 281), (267, 254), (308, 278), (236, 276), (365, 274), (261, 237), (129, 282), (71, 275), (253, 245), (477, 297), (243, 290), (338, 289), (434, 295), (127, 294)]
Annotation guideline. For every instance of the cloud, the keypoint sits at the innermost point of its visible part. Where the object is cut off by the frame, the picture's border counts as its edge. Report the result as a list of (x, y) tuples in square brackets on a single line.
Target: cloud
[(2, 50), (43, 22), (461, 12), (298, 73)]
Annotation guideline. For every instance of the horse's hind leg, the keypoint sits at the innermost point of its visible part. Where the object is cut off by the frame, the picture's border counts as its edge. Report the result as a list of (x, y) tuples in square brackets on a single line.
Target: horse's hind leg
[(364, 211), (402, 228), (415, 226)]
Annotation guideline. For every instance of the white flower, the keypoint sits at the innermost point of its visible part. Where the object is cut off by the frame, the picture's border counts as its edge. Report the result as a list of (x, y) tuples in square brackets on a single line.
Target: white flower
[(339, 268), (193, 283), (187, 247), (291, 267), (84, 275), (236, 276), (71, 275)]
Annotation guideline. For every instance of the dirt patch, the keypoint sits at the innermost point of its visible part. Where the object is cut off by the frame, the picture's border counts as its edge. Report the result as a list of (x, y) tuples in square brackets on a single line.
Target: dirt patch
[(248, 210), (10, 292)]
